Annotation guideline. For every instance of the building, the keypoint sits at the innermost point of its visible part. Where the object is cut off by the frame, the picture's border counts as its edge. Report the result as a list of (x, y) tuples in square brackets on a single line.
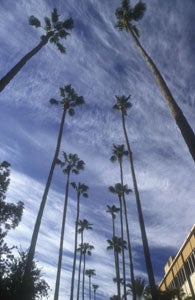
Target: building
[(180, 269)]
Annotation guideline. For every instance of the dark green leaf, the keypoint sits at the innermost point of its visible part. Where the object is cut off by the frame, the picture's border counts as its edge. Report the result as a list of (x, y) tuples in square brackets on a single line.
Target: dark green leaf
[(71, 111), (54, 16), (34, 21), (61, 48), (68, 24), (53, 101), (58, 26), (63, 34), (47, 23), (138, 11), (85, 195)]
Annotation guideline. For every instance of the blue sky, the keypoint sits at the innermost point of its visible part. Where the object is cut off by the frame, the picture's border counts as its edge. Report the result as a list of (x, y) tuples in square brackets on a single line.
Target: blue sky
[(100, 63)]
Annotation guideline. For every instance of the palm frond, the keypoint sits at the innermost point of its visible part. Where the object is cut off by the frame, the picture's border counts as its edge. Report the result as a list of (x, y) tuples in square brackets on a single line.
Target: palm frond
[(47, 24), (68, 24), (54, 101), (54, 16), (63, 34), (71, 112), (61, 48), (138, 11), (34, 21), (58, 25)]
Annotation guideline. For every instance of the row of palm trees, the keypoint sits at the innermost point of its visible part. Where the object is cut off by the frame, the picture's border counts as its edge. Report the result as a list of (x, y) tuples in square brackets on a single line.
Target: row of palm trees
[(56, 30), (122, 105)]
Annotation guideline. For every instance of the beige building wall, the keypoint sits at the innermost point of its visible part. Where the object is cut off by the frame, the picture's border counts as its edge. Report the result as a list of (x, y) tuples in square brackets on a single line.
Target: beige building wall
[(180, 270)]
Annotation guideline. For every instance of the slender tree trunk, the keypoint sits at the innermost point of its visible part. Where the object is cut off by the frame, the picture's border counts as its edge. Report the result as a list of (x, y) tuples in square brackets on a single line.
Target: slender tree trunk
[(128, 238), (57, 285), (123, 250), (94, 295), (75, 249), (31, 251), (10, 75), (79, 270), (83, 283), (141, 219), (117, 273), (89, 287), (176, 111), (113, 226)]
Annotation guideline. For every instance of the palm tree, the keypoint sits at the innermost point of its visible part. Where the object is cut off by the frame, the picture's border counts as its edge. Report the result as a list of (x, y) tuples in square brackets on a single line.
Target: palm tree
[(119, 190), (85, 249), (89, 273), (70, 164), (81, 190), (82, 226), (126, 15), (95, 287), (113, 210), (118, 153), (69, 100), (55, 30), (123, 104), (117, 244)]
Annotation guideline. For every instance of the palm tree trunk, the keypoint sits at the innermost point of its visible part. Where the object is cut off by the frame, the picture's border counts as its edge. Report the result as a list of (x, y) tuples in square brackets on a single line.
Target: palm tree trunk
[(113, 226), (75, 250), (141, 219), (57, 285), (128, 238), (79, 270), (89, 287), (176, 111), (83, 283), (117, 272), (10, 75), (31, 251), (123, 250)]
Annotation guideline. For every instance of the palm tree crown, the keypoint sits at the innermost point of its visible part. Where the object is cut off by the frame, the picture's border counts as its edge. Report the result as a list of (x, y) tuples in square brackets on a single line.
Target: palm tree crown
[(126, 14), (71, 163), (54, 28), (113, 210), (90, 272), (69, 99), (119, 189), (118, 153), (80, 188), (122, 104), (84, 224), (116, 244)]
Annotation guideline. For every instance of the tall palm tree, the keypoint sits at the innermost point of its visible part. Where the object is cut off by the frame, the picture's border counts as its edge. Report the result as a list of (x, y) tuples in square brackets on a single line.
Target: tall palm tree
[(95, 287), (123, 104), (118, 153), (118, 189), (86, 249), (81, 190), (69, 100), (90, 273), (113, 210), (126, 15), (55, 30), (117, 244), (71, 164), (82, 226)]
